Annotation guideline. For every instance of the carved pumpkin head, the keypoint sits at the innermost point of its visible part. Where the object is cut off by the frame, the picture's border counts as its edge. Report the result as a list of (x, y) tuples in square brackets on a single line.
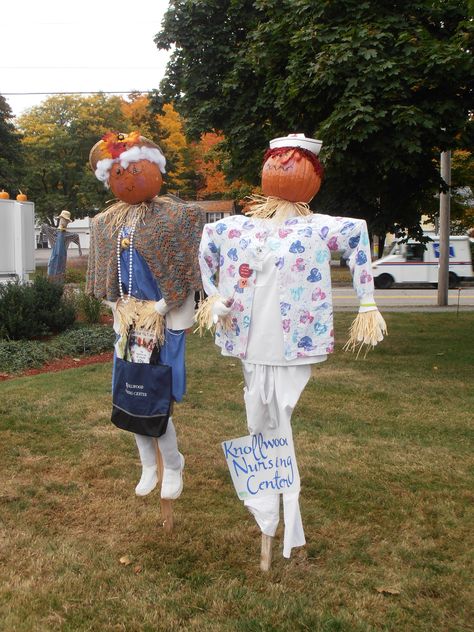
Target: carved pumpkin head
[(291, 169), (139, 182), (130, 165)]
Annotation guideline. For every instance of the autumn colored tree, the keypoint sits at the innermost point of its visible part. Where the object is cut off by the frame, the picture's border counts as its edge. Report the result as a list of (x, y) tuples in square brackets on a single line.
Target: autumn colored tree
[(179, 160), (139, 115), (211, 163), (462, 179), (57, 137), (208, 167), (161, 123), (462, 194)]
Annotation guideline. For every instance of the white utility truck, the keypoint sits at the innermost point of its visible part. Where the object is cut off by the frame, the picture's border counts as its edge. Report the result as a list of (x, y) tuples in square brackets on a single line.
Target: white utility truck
[(413, 262)]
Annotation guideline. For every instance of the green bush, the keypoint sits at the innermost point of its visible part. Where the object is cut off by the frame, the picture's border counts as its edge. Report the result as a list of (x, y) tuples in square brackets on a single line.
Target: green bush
[(35, 309), (91, 307), (75, 275), (86, 340), (17, 356)]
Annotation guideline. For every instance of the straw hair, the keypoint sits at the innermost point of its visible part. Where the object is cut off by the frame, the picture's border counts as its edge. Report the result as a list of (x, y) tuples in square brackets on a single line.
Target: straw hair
[(366, 331), (140, 315), (276, 208), (204, 316), (149, 319), (120, 213), (126, 315)]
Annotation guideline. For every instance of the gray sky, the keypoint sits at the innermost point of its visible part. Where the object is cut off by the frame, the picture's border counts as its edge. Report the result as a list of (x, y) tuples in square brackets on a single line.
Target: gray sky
[(63, 46)]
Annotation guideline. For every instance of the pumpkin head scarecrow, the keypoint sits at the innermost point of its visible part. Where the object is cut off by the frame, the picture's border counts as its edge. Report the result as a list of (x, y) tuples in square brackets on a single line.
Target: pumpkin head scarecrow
[(143, 263), (130, 165), (272, 303)]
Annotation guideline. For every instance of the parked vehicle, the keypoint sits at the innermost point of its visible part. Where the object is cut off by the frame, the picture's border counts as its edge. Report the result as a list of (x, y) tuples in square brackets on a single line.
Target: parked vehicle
[(414, 262)]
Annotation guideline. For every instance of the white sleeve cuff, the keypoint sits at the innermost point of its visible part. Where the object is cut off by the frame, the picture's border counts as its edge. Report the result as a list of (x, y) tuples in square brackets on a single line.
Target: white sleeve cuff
[(161, 307), (367, 304)]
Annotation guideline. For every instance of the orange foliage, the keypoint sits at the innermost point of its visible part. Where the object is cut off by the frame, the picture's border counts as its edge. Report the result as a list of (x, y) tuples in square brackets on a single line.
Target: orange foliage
[(208, 167), (136, 111)]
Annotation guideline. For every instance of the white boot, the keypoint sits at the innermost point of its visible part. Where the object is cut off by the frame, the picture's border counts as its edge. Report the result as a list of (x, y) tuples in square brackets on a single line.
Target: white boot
[(149, 478), (148, 481), (172, 484)]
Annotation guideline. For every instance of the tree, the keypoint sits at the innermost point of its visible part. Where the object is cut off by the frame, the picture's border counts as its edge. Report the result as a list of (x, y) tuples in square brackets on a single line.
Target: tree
[(386, 85), (161, 123), (11, 157), (211, 160), (462, 179), (181, 177), (462, 194), (57, 138)]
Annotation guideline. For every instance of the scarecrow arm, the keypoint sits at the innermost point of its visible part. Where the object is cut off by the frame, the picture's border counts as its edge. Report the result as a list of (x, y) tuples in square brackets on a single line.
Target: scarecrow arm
[(51, 234), (215, 307), (351, 236)]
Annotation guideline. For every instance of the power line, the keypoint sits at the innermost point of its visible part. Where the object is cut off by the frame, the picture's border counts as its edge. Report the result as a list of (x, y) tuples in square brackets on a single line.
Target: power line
[(22, 94), (79, 68)]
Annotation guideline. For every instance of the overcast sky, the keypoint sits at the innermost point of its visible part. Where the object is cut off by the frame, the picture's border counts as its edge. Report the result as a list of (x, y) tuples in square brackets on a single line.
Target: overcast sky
[(52, 46)]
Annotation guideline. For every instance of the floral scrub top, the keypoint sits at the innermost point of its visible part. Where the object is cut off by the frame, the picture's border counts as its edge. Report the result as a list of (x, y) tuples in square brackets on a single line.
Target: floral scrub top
[(234, 249)]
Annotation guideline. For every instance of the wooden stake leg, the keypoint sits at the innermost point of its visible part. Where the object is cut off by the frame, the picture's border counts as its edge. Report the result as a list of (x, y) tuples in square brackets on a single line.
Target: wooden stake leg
[(166, 505), (266, 554)]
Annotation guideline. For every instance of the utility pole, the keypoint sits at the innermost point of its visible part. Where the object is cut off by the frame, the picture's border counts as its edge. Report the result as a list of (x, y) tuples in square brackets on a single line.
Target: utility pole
[(444, 229)]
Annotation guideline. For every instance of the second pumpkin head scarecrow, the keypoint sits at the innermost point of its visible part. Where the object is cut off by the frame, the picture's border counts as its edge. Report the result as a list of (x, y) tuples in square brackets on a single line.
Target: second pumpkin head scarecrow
[(267, 275)]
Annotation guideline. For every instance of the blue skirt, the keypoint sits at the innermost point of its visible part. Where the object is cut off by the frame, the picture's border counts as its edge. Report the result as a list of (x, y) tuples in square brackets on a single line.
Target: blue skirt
[(173, 353)]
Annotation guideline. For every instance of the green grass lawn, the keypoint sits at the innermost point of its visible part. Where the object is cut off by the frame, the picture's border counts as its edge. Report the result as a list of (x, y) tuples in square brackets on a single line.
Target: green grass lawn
[(384, 449)]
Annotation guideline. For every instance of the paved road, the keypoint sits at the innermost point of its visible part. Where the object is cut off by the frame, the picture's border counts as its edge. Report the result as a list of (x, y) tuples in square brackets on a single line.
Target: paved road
[(395, 299), (398, 299)]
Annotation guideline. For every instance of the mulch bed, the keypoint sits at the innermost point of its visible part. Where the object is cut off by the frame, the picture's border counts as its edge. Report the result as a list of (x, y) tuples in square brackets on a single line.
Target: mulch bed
[(60, 364)]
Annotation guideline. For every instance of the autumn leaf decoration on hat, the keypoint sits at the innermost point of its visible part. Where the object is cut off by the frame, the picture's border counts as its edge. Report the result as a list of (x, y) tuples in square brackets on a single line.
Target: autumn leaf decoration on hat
[(113, 143)]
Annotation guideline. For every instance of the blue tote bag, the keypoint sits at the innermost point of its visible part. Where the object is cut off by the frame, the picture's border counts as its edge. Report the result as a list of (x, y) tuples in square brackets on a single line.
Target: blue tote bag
[(141, 397)]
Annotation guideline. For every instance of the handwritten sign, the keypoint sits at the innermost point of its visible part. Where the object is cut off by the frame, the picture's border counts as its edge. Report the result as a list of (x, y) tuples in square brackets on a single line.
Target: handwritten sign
[(262, 464)]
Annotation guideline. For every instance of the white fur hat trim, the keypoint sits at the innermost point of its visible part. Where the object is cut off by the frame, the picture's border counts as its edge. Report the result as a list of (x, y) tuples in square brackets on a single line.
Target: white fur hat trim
[(131, 155)]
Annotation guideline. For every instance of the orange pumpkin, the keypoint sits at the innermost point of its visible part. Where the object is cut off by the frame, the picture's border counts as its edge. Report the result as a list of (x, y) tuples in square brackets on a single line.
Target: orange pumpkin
[(290, 175), (4, 195), (21, 197), (140, 182)]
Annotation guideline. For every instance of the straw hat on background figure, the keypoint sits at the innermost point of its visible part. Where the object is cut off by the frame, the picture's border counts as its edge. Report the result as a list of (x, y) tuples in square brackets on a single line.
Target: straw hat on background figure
[(64, 219)]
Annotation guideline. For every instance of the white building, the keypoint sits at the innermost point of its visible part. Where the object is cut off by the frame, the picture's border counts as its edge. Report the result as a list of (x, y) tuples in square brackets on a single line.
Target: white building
[(79, 226)]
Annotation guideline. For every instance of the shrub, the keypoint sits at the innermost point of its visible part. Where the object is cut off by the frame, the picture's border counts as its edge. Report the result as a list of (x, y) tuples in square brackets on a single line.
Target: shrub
[(34, 309), (17, 356), (91, 307), (75, 275), (86, 340)]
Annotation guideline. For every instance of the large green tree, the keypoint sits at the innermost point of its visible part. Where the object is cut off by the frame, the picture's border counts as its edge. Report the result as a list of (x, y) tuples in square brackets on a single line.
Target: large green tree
[(57, 137), (385, 84), (10, 150)]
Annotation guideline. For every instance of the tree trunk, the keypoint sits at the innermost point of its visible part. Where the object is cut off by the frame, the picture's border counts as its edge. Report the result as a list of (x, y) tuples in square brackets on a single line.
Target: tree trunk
[(381, 245)]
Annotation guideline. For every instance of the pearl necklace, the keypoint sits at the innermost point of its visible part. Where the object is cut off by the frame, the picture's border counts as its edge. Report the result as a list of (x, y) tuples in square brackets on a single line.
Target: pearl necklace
[(130, 261)]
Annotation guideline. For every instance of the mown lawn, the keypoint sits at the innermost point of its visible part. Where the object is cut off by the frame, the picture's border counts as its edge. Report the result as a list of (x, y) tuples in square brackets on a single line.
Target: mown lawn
[(384, 448)]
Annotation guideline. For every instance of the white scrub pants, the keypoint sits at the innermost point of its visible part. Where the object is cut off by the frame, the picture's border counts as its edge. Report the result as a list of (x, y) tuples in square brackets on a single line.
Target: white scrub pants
[(271, 394), (168, 445)]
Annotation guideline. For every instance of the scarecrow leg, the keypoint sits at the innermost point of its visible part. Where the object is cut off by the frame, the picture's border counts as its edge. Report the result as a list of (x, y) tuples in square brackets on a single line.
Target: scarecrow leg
[(266, 553), (166, 505)]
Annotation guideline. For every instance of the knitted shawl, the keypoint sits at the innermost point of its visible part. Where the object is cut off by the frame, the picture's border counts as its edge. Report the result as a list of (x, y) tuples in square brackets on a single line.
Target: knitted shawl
[(167, 238)]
